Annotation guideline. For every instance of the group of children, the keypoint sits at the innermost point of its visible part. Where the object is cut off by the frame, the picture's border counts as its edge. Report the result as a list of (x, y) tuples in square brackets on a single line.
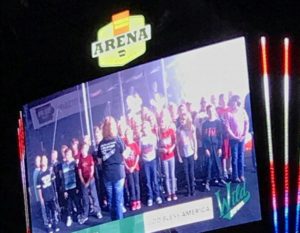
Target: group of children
[(150, 141), (68, 185)]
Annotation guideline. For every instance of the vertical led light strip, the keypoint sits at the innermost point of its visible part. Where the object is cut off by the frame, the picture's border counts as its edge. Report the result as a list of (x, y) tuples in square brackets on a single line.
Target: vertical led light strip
[(22, 151), (286, 134), (298, 201), (269, 131)]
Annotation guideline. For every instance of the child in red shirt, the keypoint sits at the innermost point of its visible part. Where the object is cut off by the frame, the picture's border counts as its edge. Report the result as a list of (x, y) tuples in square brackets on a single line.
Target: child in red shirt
[(86, 175), (166, 146), (131, 159), (223, 111)]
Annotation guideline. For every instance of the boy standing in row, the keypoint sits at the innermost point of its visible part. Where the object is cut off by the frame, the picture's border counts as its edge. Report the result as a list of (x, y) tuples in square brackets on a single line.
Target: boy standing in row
[(47, 194), (86, 175)]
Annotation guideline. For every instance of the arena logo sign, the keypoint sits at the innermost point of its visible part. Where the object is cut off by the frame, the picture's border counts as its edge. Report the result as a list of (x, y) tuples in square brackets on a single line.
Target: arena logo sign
[(233, 201), (122, 40)]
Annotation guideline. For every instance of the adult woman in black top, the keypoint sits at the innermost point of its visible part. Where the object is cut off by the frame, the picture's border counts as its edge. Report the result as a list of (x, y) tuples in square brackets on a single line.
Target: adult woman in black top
[(110, 152)]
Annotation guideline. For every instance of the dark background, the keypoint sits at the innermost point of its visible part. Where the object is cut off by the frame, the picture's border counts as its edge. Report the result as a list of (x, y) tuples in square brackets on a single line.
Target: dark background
[(45, 47)]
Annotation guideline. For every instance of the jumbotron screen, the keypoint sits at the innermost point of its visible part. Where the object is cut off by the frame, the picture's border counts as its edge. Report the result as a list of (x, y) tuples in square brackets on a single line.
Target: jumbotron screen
[(168, 144)]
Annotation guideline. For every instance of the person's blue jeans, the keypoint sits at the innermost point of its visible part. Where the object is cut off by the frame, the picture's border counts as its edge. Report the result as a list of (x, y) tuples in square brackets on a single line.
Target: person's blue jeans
[(237, 158), (91, 189), (151, 178), (134, 185), (50, 209), (115, 194), (189, 167), (214, 164), (169, 172)]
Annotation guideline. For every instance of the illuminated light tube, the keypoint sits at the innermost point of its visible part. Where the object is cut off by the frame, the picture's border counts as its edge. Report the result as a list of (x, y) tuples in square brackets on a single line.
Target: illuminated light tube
[(286, 134), (298, 203), (269, 131)]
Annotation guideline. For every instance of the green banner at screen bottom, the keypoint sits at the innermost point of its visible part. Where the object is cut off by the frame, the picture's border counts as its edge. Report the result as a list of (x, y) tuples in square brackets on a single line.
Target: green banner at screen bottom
[(126, 225)]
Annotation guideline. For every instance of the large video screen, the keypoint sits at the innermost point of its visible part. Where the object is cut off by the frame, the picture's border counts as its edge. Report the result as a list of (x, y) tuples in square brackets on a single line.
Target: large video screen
[(163, 145)]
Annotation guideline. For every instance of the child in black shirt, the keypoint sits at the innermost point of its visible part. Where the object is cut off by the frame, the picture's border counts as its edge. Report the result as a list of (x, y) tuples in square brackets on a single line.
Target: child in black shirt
[(47, 193), (212, 143)]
